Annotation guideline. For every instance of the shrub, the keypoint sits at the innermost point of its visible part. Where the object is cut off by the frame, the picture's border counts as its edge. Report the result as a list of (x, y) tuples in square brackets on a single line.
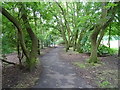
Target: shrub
[(104, 50)]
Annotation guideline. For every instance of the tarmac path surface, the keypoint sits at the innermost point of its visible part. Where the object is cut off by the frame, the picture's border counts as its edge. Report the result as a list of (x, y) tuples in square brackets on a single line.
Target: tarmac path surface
[(58, 74)]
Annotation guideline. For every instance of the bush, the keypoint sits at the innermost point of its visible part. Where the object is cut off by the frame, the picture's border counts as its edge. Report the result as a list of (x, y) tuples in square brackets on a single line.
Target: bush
[(101, 50), (104, 50)]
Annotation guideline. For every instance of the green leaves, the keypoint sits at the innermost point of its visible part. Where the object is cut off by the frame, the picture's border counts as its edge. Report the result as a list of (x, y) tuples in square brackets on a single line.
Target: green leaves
[(110, 5), (51, 21)]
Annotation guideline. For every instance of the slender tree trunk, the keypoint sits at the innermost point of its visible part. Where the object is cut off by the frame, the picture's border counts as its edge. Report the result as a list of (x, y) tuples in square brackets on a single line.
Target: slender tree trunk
[(66, 42), (41, 44), (19, 53), (118, 48), (75, 40), (118, 28), (38, 47), (102, 32), (79, 41), (119, 52), (62, 29), (109, 36), (75, 46)]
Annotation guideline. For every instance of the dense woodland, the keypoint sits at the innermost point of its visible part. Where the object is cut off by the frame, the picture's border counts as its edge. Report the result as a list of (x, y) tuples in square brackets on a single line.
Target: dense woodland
[(29, 27)]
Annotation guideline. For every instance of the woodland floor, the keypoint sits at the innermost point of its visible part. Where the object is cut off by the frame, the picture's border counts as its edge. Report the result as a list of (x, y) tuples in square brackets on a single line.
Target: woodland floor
[(64, 70), (102, 75), (12, 76)]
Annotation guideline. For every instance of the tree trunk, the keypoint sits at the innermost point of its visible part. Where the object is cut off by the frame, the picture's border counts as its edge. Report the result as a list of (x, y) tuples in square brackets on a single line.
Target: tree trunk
[(79, 41), (93, 56), (118, 48), (19, 53), (94, 42), (75, 40), (119, 52), (65, 39), (38, 47), (41, 44), (100, 26), (109, 36), (34, 48), (93, 37)]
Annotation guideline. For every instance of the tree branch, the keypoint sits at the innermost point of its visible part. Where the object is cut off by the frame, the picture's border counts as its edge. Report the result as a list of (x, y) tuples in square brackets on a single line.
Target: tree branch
[(3, 60)]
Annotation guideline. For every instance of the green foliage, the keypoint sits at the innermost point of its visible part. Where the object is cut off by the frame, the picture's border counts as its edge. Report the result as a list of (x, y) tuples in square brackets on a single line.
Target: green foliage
[(50, 23), (6, 49), (104, 50), (111, 5), (87, 47), (101, 50), (104, 84)]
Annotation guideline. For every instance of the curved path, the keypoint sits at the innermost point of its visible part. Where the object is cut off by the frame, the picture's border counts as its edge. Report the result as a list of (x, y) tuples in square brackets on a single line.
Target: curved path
[(58, 74)]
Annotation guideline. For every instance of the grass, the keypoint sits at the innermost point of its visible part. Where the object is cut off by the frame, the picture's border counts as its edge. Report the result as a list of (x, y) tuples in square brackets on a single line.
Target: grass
[(104, 84), (104, 78), (98, 64), (78, 64)]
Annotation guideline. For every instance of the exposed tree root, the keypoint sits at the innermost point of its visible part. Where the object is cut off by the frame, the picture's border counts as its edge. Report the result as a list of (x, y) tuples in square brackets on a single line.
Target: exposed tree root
[(3, 60)]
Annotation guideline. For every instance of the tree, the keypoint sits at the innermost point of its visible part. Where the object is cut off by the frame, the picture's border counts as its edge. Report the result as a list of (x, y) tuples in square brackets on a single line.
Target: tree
[(99, 28), (18, 26), (34, 48), (30, 57)]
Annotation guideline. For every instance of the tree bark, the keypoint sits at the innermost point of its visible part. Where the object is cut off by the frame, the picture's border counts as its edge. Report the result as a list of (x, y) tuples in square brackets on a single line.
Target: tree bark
[(109, 36), (38, 47), (19, 53), (93, 38), (75, 40), (34, 48), (119, 52), (79, 40), (75, 21), (118, 48)]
